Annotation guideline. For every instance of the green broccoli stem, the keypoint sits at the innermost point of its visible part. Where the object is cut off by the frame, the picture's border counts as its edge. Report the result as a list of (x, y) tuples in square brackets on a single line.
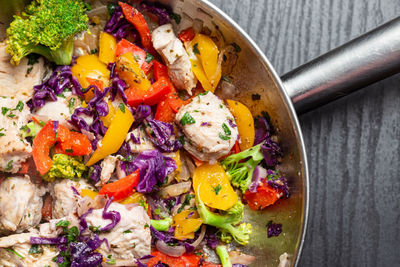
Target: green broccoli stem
[(223, 255), (162, 225), (60, 56)]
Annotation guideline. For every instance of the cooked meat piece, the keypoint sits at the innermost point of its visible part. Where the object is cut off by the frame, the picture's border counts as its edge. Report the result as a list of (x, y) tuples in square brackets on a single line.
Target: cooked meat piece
[(175, 56), (13, 150), (129, 239), (59, 110), (206, 125), (65, 200), (18, 81), (107, 168), (19, 243), (20, 204), (142, 143)]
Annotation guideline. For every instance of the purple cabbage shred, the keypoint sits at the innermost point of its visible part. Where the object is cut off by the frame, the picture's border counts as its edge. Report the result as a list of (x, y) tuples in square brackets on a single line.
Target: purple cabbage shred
[(162, 135), (273, 229), (113, 215), (159, 10), (118, 26)]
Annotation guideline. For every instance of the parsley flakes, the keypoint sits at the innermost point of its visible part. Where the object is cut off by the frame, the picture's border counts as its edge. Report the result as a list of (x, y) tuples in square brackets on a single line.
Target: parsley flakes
[(187, 119), (196, 49)]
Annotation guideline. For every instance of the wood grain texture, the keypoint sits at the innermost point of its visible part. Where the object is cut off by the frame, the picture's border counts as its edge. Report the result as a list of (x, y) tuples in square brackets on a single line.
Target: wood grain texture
[(353, 144)]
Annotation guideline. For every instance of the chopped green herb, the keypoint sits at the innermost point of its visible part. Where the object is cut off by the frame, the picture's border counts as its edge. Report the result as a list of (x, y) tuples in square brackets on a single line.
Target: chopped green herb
[(237, 47), (11, 115), (35, 249), (146, 226), (71, 104), (61, 95), (144, 204), (72, 234), (2, 134), (176, 17), (186, 202), (94, 51), (127, 231), (221, 106), (187, 119), (42, 123), (94, 229), (225, 78), (195, 110), (122, 107), (182, 140), (217, 188), (227, 131), (111, 8), (137, 57), (9, 166), (20, 106), (110, 260), (197, 253), (69, 150), (63, 223), (15, 253), (224, 137), (196, 49), (149, 57), (4, 110)]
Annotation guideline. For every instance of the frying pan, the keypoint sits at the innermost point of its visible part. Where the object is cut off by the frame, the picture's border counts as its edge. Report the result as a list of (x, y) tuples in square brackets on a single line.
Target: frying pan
[(365, 60)]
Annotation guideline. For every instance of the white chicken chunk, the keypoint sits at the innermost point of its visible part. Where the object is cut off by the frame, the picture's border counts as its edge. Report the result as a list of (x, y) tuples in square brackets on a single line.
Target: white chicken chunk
[(13, 149), (14, 251), (18, 81), (20, 204), (208, 126), (107, 168), (141, 143), (175, 56), (60, 110), (65, 199), (129, 239)]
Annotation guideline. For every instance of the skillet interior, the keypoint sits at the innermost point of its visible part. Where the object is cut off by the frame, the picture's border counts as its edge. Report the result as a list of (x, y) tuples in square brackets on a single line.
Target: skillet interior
[(253, 74)]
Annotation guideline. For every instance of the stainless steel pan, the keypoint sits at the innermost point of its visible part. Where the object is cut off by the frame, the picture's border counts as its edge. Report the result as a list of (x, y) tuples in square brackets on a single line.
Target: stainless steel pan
[(363, 61)]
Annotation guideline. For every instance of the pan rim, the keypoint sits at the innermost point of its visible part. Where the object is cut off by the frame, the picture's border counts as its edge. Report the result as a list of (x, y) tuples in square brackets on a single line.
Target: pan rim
[(277, 80)]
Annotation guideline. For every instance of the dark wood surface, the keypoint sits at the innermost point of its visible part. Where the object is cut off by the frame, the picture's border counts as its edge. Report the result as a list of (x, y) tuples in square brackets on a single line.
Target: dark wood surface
[(352, 144)]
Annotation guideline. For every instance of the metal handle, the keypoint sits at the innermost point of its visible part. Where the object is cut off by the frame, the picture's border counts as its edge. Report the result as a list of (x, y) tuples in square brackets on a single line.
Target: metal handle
[(363, 61)]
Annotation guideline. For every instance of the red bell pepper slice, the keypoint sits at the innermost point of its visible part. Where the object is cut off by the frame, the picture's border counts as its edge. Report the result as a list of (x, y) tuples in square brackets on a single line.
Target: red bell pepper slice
[(138, 21), (265, 196), (42, 143), (186, 35), (124, 46), (156, 93), (122, 188), (160, 70), (164, 112), (77, 145), (182, 261)]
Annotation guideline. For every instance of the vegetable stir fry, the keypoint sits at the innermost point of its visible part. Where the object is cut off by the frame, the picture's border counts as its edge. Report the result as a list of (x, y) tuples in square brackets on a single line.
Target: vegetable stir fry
[(123, 145)]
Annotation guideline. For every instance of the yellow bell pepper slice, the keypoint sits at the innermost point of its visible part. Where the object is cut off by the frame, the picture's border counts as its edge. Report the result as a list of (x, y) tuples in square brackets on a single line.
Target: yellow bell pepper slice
[(134, 198), (89, 66), (107, 46), (207, 52), (129, 71), (110, 115), (89, 193), (185, 226), (114, 136), (201, 75), (214, 186), (245, 123)]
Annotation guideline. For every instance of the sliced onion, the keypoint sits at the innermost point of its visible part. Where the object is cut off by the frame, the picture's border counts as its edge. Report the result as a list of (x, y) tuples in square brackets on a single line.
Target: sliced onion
[(187, 167), (197, 25), (99, 11), (175, 251), (238, 257), (201, 236), (227, 90), (175, 189)]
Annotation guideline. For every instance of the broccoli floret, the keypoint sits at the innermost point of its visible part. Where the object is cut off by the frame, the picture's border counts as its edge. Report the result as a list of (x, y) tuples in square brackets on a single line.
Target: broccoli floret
[(162, 225), (229, 222), (65, 166), (241, 172), (223, 255), (47, 27), (30, 130)]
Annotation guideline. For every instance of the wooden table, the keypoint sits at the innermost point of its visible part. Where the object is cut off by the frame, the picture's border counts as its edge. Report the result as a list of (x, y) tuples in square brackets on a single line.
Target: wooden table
[(353, 144)]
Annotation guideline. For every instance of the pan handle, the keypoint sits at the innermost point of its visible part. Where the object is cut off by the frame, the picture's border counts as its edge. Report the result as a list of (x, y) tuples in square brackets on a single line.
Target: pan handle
[(363, 61)]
